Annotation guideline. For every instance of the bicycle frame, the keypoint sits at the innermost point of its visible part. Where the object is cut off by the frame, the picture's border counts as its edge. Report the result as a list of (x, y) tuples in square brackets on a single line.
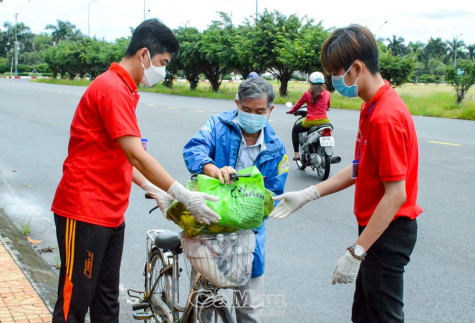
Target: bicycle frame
[(199, 286)]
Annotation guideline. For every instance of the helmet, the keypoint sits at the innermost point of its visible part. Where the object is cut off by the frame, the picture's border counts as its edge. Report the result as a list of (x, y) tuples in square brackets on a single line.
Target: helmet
[(316, 78), (253, 74)]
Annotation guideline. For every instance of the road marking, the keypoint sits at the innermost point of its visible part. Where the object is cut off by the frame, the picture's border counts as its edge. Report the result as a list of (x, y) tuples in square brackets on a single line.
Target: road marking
[(151, 104), (198, 111), (172, 107), (444, 143)]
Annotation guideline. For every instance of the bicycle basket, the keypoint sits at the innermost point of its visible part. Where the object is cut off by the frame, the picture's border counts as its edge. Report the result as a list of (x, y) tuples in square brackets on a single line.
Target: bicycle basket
[(223, 259)]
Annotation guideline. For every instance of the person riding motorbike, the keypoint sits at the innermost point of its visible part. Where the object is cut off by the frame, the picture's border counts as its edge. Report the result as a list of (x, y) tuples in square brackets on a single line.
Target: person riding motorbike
[(318, 100)]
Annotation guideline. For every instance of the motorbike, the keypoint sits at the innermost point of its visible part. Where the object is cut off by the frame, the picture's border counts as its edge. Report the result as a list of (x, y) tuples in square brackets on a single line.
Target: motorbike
[(316, 146)]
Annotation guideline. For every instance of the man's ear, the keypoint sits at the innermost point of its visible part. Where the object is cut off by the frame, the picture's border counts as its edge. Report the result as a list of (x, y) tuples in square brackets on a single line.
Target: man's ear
[(359, 66), (270, 110), (237, 102)]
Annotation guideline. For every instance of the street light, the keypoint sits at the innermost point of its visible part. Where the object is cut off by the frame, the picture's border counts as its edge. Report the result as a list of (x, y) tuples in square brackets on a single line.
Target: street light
[(384, 23), (88, 25), (16, 46), (256, 10), (148, 11)]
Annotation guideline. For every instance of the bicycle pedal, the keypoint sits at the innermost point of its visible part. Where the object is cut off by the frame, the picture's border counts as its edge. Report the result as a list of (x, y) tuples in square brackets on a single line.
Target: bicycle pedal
[(139, 306), (142, 315)]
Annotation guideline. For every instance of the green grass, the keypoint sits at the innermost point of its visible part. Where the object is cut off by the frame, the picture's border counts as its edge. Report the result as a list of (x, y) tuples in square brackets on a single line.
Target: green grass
[(25, 227), (424, 100)]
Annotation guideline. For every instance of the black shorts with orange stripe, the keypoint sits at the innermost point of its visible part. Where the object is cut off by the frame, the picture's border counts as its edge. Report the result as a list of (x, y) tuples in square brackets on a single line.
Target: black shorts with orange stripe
[(90, 271)]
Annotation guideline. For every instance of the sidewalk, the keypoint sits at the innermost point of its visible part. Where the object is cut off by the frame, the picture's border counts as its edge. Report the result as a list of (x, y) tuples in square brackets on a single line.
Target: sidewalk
[(19, 302), (27, 283)]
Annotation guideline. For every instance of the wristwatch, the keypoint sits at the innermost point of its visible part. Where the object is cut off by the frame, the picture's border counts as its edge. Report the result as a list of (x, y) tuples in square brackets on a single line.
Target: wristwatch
[(357, 251)]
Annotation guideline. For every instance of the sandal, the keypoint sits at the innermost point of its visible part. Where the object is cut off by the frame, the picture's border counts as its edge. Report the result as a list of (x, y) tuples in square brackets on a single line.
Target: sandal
[(296, 158)]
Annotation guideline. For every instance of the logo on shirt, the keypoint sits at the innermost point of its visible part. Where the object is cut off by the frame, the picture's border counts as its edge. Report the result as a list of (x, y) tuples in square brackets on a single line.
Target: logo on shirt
[(284, 165)]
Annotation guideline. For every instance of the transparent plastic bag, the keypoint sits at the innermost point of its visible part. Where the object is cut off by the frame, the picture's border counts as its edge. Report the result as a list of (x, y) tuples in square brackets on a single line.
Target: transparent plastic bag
[(223, 259)]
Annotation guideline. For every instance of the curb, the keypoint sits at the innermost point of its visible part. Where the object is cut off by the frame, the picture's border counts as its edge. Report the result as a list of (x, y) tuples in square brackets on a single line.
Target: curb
[(41, 276)]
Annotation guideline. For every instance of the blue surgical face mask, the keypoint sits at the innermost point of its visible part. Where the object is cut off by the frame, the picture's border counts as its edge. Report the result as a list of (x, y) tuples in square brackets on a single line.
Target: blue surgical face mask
[(339, 84), (251, 123)]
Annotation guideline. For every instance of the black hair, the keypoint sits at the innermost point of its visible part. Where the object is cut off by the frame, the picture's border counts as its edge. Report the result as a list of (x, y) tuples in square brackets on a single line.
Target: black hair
[(345, 45), (155, 36)]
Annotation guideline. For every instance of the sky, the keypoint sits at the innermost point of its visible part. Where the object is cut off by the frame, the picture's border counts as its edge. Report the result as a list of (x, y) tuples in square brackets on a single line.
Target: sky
[(413, 20)]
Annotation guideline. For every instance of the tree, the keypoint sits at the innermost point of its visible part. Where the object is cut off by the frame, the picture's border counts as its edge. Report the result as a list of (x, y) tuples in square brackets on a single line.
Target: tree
[(189, 59), (24, 38), (435, 48), (244, 52), (308, 47), (64, 30), (217, 50), (397, 47), (395, 69), (275, 41), (471, 51), (461, 77), (455, 47)]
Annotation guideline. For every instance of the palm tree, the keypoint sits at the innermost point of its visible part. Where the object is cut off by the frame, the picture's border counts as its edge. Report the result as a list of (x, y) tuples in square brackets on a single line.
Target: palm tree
[(455, 50), (397, 46), (64, 30), (415, 47), (435, 48), (471, 51), (24, 37)]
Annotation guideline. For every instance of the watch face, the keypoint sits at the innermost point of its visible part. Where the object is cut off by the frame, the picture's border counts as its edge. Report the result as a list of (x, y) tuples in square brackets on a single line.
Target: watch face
[(359, 251)]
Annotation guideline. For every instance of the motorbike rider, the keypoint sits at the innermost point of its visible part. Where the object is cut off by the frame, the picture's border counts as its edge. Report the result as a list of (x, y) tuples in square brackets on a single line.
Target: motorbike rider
[(318, 100)]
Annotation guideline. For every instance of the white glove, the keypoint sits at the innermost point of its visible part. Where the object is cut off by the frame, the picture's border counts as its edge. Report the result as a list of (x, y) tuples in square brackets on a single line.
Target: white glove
[(346, 269), (292, 201), (164, 200), (195, 203)]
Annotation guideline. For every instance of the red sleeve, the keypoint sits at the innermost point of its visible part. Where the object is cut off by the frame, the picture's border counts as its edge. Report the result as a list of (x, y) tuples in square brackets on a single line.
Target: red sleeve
[(298, 105), (390, 150), (117, 110)]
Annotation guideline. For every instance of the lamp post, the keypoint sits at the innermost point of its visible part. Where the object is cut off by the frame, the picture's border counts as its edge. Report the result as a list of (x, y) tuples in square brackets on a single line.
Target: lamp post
[(455, 49), (88, 25), (16, 46), (148, 11), (384, 23)]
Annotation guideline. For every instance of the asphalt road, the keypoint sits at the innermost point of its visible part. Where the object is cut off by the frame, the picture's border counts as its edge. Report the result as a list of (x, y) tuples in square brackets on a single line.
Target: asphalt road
[(302, 249)]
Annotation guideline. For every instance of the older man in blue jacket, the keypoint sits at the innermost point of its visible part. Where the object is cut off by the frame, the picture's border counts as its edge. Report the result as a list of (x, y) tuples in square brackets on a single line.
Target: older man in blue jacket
[(234, 140)]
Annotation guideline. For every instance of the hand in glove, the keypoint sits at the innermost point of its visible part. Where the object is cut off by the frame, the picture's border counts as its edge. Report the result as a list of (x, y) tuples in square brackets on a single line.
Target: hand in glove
[(164, 200), (346, 269), (195, 203), (292, 201)]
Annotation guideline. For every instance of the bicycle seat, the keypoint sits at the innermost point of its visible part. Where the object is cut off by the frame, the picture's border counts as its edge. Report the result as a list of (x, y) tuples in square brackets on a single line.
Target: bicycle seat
[(167, 240), (316, 128)]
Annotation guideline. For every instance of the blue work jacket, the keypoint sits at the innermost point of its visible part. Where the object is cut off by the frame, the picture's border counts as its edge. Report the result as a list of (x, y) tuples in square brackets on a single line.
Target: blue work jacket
[(218, 143)]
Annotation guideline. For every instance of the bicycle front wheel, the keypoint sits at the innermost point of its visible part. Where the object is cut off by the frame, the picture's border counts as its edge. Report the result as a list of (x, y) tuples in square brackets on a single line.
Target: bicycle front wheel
[(158, 288)]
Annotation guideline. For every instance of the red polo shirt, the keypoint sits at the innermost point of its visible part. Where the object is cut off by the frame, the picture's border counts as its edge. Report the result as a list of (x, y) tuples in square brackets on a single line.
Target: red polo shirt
[(388, 152), (317, 110), (97, 176)]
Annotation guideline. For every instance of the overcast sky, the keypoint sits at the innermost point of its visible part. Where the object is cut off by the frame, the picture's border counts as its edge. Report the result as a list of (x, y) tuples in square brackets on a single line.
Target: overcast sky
[(413, 20)]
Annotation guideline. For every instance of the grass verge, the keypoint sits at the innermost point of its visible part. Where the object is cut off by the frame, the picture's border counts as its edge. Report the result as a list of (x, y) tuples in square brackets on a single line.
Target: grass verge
[(423, 100)]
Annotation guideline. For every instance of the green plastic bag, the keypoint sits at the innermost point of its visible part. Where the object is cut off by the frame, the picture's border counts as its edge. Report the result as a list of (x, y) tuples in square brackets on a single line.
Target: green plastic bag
[(242, 205)]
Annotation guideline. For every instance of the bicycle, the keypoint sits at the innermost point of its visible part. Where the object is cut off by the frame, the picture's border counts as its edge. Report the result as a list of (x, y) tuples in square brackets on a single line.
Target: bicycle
[(208, 255)]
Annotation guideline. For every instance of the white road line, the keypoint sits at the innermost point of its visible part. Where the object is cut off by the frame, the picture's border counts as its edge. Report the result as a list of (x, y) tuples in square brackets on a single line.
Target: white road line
[(444, 143)]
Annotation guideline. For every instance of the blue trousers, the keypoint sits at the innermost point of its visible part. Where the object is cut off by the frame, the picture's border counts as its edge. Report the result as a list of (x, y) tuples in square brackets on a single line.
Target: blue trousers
[(380, 282)]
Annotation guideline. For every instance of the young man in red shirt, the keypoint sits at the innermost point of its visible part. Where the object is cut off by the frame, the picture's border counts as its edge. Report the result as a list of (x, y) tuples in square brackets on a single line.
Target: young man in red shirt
[(385, 175), (105, 155)]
